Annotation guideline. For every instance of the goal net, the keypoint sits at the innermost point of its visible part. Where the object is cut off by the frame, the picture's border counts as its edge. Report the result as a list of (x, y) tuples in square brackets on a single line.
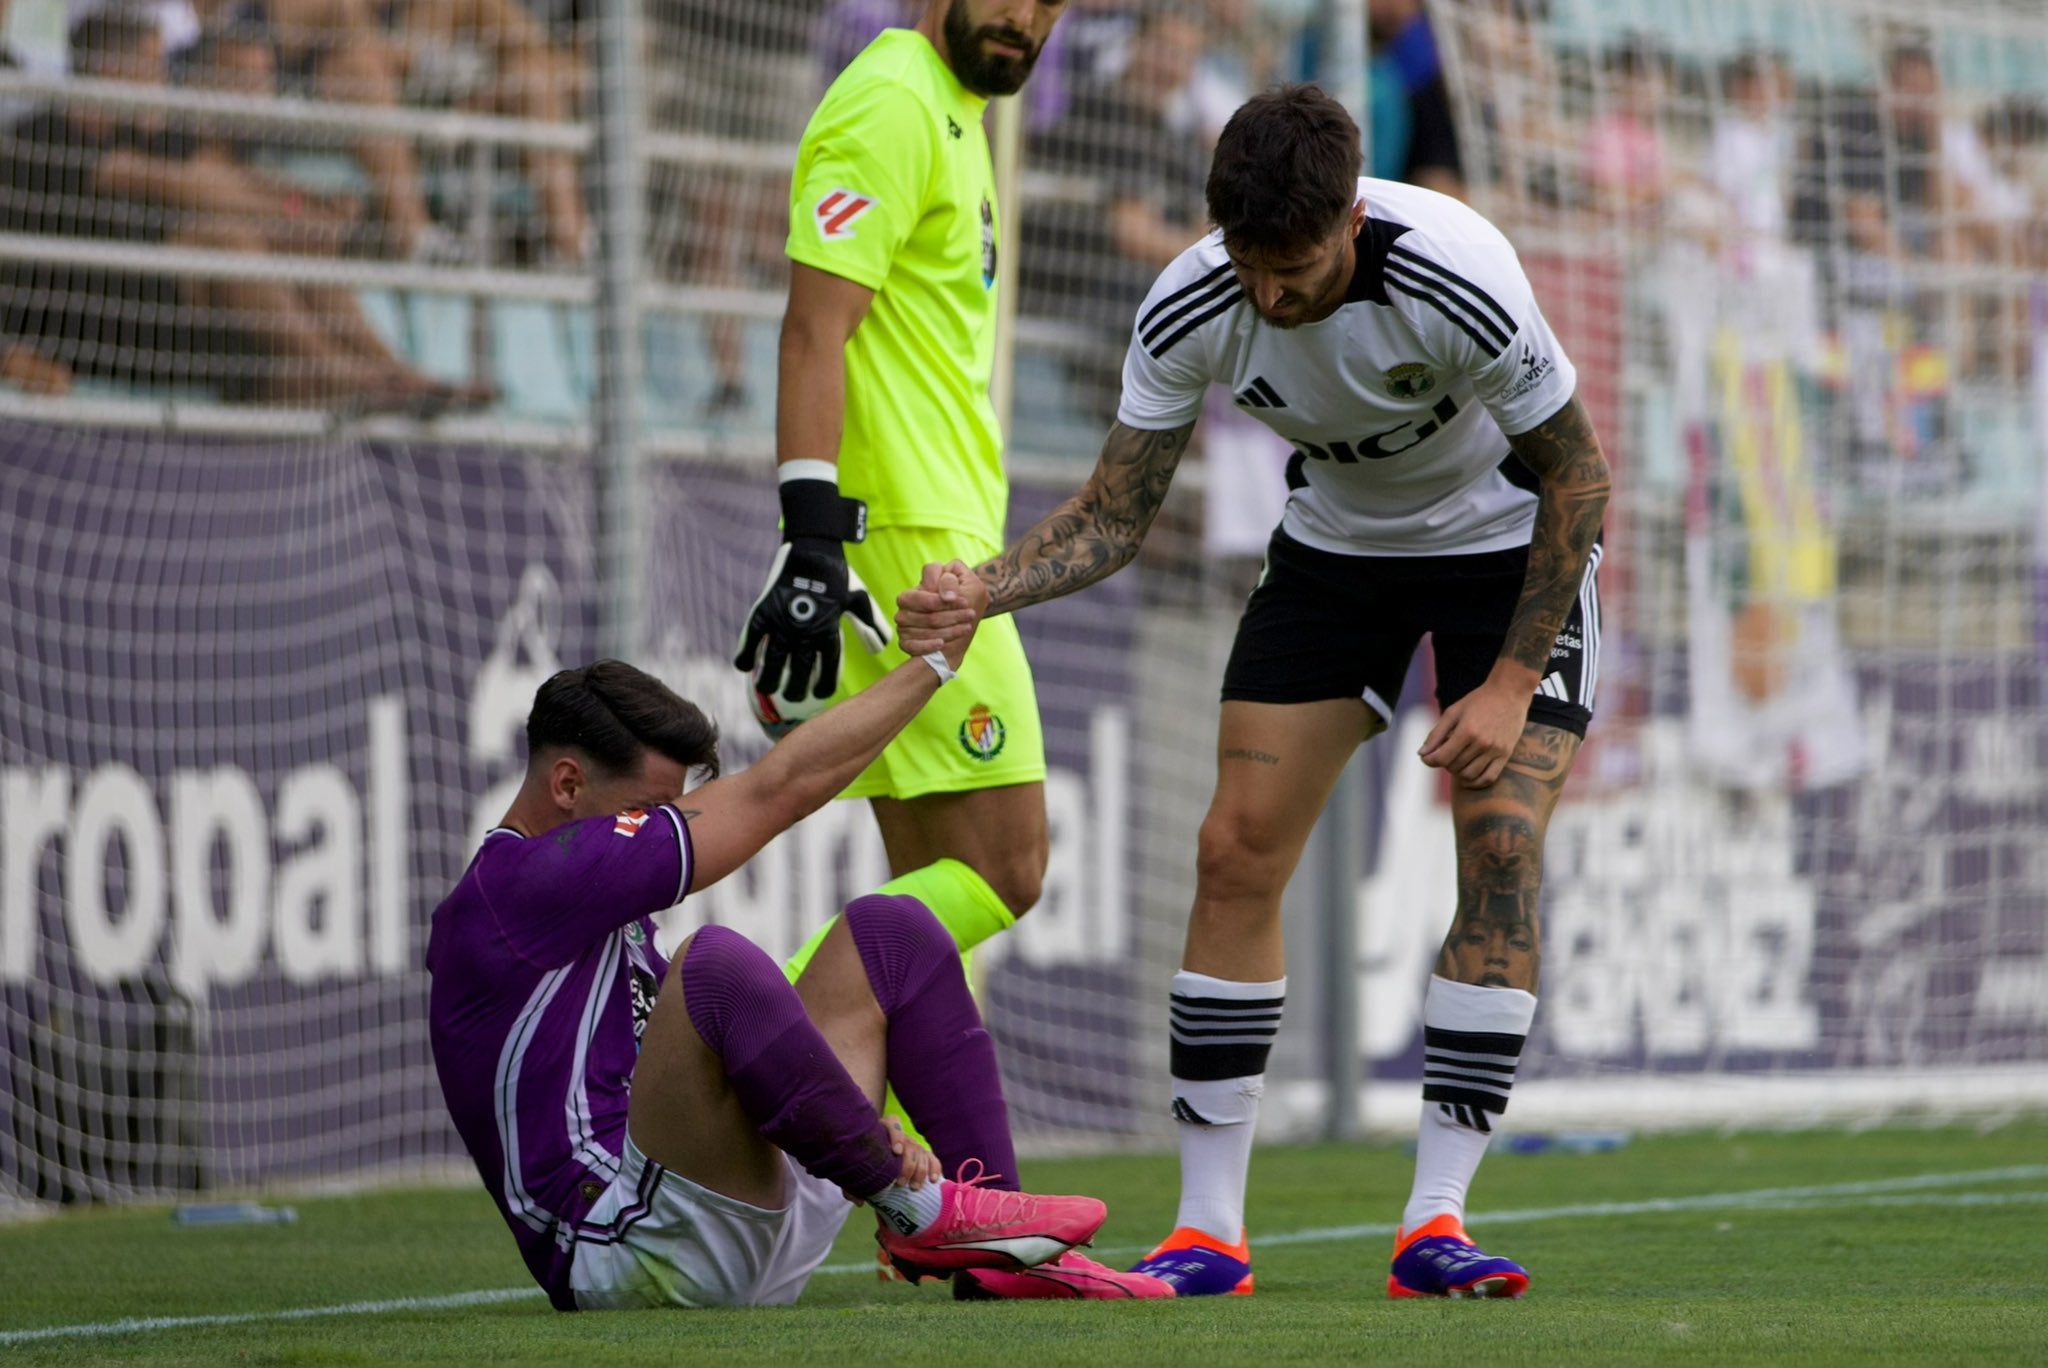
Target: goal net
[(1796, 251), (302, 496)]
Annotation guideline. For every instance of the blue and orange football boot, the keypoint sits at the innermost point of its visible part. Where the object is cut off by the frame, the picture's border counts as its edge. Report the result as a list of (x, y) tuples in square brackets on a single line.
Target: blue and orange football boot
[(1438, 1259), (1197, 1264)]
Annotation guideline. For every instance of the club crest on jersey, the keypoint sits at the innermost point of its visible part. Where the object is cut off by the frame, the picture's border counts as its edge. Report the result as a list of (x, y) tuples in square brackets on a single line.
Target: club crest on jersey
[(629, 822), (982, 734), (836, 214), (1410, 380)]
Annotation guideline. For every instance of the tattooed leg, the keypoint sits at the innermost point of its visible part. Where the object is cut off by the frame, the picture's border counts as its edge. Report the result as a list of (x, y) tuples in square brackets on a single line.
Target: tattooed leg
[(1495, 937), (1481, 1002)]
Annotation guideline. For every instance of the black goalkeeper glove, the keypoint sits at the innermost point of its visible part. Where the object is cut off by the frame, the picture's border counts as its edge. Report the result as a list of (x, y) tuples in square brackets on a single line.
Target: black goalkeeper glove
[(791, 643)]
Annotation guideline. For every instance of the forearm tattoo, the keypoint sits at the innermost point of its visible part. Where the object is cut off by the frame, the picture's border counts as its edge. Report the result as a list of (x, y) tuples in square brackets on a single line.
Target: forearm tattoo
[(1564, 453), (1098, 530)]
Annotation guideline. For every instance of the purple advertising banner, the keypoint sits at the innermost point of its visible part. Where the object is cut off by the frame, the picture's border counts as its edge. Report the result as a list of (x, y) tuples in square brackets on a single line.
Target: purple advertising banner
[(255, 703)]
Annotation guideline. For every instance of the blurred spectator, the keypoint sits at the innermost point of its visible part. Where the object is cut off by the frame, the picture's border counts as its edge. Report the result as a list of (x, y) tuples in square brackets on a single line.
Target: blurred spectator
[(25, 367), (1870, 179), (1532, 154), (337, 50), (133, 178), (1413, 139), (491, 55), (739, 73), (2000, 214), (1090, 263), (1241, 55), (1627, 167), (495, 56), (1749, 157), (2002, 219), (241, 62)]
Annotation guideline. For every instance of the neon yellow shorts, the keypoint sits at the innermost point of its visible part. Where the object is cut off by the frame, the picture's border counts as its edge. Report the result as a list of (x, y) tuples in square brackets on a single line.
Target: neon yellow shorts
[(982, 730)]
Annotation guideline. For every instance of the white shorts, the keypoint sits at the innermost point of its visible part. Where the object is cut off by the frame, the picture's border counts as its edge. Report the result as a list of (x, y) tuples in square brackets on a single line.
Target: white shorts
[(657, 1239)]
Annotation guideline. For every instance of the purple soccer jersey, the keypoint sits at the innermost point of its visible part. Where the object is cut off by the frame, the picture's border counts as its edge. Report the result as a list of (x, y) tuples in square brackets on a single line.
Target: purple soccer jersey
[(544, 972)]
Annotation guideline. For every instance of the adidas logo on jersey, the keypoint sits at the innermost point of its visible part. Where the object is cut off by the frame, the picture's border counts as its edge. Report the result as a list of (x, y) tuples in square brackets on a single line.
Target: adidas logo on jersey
[(1259, 394)]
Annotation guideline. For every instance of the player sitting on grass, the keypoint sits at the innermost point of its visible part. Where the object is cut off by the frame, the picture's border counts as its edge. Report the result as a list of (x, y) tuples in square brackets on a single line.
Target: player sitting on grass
[(689, 1132)]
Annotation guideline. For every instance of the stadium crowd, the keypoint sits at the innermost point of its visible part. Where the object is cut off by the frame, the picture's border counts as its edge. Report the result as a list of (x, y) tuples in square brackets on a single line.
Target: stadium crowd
[(1742, 152)]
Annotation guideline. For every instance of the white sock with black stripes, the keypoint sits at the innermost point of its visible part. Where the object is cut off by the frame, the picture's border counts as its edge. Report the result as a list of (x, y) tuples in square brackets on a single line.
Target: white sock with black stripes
[(1222, 1032), (1472, 1040), (910, 1210)]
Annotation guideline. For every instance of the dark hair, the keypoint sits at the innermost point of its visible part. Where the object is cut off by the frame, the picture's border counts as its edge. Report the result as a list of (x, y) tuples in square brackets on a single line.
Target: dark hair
[(98, 42), (2021, 120), (1750, 64), (1637, 54), (1907, 51), (613, 712), (1286, 170)]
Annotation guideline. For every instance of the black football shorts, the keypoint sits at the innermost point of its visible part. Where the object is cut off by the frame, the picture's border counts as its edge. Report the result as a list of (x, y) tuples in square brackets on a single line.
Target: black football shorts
[(1322, 625)]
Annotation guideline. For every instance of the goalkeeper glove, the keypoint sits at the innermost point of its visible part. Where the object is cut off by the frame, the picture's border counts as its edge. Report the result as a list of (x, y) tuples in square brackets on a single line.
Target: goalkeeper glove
[(791, 642)]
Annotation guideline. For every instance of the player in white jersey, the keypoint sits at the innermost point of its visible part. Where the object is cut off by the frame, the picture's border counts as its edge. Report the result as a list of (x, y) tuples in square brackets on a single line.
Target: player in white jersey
[(1445, 481)]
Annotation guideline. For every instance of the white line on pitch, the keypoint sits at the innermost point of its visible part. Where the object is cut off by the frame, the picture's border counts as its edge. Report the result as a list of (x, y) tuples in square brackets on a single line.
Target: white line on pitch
[(1909, 1191), (363, 1308)]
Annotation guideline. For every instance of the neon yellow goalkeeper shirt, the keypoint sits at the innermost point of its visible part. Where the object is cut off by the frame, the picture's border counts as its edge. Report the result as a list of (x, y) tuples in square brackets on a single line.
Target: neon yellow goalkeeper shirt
[(894, 189)]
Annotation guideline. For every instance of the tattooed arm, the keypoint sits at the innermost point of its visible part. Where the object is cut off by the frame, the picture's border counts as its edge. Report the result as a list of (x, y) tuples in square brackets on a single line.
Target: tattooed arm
[(1097, 531), (1477, 735), (1564, 453)]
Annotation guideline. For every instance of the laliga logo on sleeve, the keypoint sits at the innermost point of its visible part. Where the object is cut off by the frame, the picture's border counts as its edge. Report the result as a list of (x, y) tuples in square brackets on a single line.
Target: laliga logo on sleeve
[(836, 214), (629, 822)]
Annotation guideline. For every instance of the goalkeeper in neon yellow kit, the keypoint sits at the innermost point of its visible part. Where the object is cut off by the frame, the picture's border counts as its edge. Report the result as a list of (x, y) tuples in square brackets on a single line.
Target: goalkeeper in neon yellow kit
[(889, 457)]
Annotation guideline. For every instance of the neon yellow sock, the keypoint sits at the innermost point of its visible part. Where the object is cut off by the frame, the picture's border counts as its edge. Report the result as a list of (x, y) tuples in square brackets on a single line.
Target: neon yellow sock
[(964, 904), (959, 897)]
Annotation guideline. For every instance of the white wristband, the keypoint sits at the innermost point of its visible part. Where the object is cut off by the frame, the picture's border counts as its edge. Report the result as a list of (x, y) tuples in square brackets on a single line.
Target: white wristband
[(937, 660), (807, 469)]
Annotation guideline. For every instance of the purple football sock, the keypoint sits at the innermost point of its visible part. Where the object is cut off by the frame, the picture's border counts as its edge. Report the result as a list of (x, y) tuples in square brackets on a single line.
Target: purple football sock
[(941, 1061), (785, 1075)]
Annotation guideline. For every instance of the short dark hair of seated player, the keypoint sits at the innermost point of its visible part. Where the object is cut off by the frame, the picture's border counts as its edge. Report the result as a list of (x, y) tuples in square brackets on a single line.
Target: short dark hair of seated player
[(613, 713)]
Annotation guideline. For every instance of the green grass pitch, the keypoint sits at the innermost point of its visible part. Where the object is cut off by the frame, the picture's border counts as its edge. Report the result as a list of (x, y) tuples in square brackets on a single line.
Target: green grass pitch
[(1925, 1245)]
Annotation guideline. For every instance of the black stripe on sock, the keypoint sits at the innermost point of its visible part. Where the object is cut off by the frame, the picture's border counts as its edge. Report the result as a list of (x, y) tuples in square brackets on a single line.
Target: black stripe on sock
[(1470, 1097), (1190, 1014), (1472, 1042), (1433, 1060), (1232, 1004), (1206, 1063)]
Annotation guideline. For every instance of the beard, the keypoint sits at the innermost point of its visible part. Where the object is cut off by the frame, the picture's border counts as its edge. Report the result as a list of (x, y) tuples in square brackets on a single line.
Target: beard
[(981, 71), (1318, 302)]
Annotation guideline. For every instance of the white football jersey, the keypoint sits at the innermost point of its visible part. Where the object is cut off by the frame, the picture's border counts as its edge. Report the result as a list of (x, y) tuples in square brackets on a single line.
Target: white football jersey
[(1398, 404)]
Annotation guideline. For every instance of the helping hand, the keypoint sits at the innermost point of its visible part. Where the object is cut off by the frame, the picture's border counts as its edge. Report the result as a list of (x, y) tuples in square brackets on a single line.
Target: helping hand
[(941, 613)]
